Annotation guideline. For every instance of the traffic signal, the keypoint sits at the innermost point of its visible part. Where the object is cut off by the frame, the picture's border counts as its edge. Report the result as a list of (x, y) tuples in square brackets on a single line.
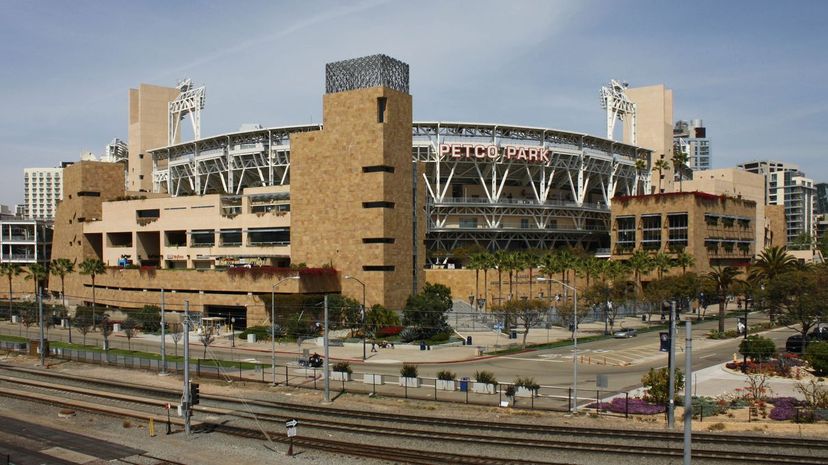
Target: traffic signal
[(194, 398)]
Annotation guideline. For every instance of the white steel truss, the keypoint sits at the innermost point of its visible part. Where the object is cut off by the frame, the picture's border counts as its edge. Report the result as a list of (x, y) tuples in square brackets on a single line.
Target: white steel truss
[(614, 100), (190, 101)]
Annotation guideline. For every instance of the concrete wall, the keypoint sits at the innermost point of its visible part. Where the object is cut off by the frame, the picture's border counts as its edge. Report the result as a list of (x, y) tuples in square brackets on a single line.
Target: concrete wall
[(148, 128)]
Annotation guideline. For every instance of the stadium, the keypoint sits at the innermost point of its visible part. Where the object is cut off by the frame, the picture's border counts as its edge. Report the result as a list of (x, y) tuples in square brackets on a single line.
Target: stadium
[(370, 193)]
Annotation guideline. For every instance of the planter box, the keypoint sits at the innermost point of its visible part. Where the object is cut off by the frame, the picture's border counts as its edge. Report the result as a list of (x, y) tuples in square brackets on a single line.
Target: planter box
[(340, 376), (483, 388), (372, 379), (410, 382), (524, 392), (445, 385)]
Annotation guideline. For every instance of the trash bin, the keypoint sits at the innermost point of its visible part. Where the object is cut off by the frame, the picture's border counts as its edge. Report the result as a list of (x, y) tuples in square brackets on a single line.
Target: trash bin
[(513, 334), (643, 317), (422, 345), (464, 384), (468, 340), (251, 337)]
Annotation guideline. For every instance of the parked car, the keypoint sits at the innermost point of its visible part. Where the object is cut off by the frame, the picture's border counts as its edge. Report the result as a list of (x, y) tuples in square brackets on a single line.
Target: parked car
[(624, 333), (794, 344)]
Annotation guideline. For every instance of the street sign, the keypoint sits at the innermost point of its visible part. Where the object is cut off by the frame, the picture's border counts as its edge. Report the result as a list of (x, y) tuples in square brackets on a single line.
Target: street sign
[(291, 424), (167, 406), (498, 326), (601, 381), (291, 432)]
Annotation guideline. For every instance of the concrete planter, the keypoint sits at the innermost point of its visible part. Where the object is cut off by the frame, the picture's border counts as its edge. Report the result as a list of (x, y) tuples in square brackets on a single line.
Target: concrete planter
[(483, 388), (525, 392), (15, 319), (251, 338), (410, 382), (372, 379), (445, 385), (340, 376)]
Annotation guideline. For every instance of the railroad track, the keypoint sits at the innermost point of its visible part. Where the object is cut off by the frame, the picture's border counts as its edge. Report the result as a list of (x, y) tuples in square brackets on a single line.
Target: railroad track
[(487, 440)]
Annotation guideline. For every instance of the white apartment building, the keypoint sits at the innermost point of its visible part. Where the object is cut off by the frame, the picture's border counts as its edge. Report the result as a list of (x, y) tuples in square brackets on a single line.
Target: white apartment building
[(691, 136), (43, 187), (786, 185)]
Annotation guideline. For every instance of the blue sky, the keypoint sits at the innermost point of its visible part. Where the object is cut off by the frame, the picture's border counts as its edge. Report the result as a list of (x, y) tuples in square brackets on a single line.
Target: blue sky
[(754, 71)]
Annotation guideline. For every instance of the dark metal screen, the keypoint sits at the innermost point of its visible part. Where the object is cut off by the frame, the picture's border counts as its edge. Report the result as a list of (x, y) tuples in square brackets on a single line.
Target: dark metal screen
[(365, 72)]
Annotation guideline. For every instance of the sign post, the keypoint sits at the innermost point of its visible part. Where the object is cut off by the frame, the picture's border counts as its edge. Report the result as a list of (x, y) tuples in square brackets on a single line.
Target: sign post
[(291, 433), (169, 428)]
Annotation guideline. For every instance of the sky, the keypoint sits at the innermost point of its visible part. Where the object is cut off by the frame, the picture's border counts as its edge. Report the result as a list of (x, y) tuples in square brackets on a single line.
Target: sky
[(754, 71)]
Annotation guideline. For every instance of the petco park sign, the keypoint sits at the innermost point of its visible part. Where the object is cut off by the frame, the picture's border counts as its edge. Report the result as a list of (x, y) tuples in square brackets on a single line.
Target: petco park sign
[(494, 152)]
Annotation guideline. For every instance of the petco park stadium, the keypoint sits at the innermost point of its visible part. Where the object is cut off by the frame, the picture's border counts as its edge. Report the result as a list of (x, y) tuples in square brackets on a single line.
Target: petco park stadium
[(369, 192)]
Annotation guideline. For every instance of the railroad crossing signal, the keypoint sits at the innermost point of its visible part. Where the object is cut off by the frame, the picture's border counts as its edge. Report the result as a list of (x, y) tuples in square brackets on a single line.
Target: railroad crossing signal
[(291, 433), (194, 394)]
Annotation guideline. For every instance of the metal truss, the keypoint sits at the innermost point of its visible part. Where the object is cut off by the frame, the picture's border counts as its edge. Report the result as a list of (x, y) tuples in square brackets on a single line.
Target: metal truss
[(441, 243), (190, 101), (618, 106), (365, 72)]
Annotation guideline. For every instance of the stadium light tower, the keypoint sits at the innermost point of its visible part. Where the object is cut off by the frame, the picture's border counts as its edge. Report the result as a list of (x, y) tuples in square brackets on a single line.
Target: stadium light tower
[(618, 106), (189, 101)]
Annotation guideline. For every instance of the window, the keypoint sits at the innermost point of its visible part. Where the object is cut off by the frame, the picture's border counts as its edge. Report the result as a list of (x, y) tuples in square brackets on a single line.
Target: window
[(378, 268), (87, 194), (625, 234), (268, 236), (378, 169), (378, 240), (230, 237), (651, 232), (205, 238), (379, 204), (677, 230), (524, 223), (382, 104), (468, 223), (149, 213)]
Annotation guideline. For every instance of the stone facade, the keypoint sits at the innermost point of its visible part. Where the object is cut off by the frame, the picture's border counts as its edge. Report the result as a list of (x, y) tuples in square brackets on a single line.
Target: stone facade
[(352, 205), (715, 229), (148, 129)]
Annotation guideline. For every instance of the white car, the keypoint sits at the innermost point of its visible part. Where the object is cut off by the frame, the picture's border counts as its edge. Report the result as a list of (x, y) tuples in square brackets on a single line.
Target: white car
[(624, 333)]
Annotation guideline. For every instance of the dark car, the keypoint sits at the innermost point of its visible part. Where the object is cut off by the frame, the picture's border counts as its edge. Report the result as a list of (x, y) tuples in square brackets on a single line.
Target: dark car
[(794, 344)]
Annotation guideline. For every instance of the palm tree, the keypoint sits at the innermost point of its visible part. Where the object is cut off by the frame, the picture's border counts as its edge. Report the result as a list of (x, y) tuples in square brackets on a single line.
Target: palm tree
[(550, 266), (532, 260), (640, 167), (566, 260), (488, 264), (513, 261), (92, 267), (37, 273), (662, 262), (679, 161), (589, 267), (660, 165), (724, 281), (640, 262), (772, 262), (499, 260), (10, 270), (60, 267), (476, 263), (684, 260)]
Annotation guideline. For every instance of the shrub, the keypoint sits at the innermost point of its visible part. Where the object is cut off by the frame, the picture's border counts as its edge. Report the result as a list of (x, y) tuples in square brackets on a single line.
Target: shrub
[(731, 365), (445, 375), (708, 406), (635, 406), (343, 367), (657, 384), (486, 377), (509, 392), (387, 331), (528, 383), (757, 348), (261, 332), (408, 371), (817, 355)]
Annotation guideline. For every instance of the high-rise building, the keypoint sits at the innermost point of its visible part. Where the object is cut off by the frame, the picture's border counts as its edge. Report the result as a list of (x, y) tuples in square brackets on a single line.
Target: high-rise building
[(43, 187), (822, 197), (786, 185), (691, 138)]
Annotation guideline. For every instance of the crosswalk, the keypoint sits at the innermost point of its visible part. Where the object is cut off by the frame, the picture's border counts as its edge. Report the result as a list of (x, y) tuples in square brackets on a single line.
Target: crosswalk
[(609, 357)]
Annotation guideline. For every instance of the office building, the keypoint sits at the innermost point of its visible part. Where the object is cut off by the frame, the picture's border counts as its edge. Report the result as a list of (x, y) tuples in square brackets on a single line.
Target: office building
[(691, 138), (43, 187)]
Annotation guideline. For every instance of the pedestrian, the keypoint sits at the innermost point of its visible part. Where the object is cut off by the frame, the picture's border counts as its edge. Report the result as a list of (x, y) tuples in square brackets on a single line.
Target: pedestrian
[(373, 346)]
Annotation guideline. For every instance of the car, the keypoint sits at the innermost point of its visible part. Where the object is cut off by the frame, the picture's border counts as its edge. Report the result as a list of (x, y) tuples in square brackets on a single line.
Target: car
[(794, 343), (624, 333)]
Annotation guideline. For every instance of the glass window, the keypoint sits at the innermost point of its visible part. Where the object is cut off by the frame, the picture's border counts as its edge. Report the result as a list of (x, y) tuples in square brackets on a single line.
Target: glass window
[(651, 232)]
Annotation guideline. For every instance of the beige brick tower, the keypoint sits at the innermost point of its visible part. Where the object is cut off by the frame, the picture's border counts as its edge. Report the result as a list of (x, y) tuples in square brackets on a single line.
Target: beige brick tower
[(352, 187), (148, 128), (654, 128)]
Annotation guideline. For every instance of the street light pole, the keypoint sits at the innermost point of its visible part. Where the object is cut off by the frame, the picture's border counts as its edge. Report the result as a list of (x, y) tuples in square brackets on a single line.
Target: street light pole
[(163, 338), (574, 405), (364, 354), (273, 326)]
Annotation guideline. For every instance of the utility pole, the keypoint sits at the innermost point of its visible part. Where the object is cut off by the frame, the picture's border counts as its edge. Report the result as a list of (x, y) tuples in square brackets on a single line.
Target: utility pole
[(325, 361), (688, 398), (671, 364), (186, 403), (163, 338), (42, 335)]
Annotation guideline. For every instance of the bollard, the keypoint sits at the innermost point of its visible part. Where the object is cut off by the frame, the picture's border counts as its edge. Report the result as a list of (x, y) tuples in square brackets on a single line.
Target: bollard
[(151, 427)]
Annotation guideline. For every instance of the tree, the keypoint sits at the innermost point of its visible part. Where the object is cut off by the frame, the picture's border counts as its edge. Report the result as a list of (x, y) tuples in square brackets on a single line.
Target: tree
[(660, 165), (28, 314), (528, 311), (657, 384), (425, 313), (176, 333), (130, 329), (531, 260), (477, 262), (511, 262), (679, 160), (566, 313), (817, 355), (498, 260), (92, 267), (346, 312), (723, 281), (10, 270), (106, 327), (772, 262), (758, 348), (36, 273), (61, 267), (148, 318), (662, 263), (207, 337), (550, 266), (684, 260), (640, 168), (589, 267), (802, 296), (83, 322), (640, 262)]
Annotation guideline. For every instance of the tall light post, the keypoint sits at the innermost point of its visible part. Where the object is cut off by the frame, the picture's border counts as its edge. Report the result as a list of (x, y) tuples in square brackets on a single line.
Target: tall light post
[(364, 355), (574, 405), (273, 326)]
